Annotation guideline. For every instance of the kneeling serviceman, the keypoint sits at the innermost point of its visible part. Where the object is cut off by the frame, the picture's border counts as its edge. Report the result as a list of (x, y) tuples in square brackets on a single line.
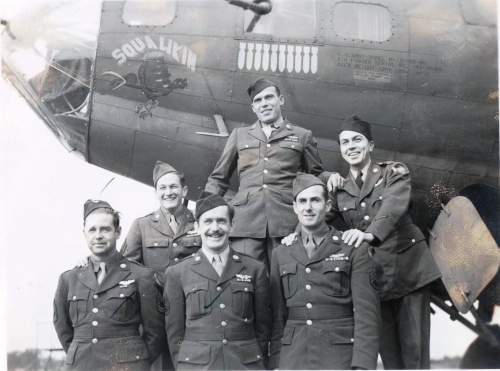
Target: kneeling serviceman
[(326, 312), (98, 308), (216, 314)]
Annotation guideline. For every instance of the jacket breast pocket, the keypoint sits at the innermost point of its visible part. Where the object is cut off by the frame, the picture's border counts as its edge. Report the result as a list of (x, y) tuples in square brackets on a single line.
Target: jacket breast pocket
[(346, 207), (288, 273), (336, 278), (122, 303), (243, 299), (248, 154), (156, 253), (78, 304), (197, 299), (289, 155)]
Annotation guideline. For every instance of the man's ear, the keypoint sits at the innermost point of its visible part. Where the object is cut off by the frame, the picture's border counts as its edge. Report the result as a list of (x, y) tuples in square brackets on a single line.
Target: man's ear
[(295, 208), (372, 145), (282, 100), (253, 108), (328, 205), (184, 191), (118, 232)]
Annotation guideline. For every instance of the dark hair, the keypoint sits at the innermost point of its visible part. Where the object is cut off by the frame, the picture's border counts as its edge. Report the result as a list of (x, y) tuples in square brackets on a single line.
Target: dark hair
[(182, 179), (106, 210), (231, 214), (325, 192)]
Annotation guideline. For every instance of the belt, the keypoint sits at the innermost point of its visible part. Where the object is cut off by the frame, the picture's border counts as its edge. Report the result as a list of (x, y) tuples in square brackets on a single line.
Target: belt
[(237, 333), (321, 312), (106, 331)]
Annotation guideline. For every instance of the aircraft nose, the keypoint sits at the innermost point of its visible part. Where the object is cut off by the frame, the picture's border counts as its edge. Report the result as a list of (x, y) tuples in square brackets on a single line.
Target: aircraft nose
[(47, 55)]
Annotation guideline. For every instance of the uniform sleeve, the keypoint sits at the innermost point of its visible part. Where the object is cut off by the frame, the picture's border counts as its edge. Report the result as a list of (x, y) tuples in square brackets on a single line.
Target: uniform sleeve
[(151, 317), (175, 313), (263, 322), (395, 201), (279, 311), (367, 321), (62, 320), (132, 247), (218, 181), (312, 161)]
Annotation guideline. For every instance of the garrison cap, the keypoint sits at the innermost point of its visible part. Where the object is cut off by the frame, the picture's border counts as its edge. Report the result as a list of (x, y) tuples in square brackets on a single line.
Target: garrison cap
[(259, 85), (354, 123), (303, 181), (92, 205), (208, 201), (160, 170)]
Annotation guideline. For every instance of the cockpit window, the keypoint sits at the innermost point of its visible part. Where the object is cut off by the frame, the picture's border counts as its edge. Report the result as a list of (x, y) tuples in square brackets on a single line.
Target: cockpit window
[(149, 13), (289, 21), (362, 21)]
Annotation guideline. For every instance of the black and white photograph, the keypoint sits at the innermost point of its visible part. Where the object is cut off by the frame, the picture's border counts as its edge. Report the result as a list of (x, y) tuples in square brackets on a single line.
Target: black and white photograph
[(249, 184)]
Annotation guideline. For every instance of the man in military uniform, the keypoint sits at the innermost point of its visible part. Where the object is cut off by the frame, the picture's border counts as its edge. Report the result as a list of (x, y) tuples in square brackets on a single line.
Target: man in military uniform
[(326, 312), (268, 155), (216, 312), (166, 236), (375, 204), (98, 308)]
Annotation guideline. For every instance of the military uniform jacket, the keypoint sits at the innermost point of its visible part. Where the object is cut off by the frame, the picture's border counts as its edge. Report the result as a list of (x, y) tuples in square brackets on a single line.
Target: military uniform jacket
[(326, 311), (214, 322), (381, 208), (98, 325), (151, 241), (266, 170)]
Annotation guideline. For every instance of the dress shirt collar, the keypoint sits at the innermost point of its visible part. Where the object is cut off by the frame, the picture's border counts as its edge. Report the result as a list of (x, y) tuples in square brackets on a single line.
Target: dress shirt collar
[(177, 213), (317, 237), (364, 170), (277, 124), (95, 262), (210, 255)]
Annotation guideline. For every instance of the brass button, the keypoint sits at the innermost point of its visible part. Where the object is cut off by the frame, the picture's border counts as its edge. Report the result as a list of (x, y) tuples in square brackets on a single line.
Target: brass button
[(95, 310), (266, 159), (308, 270), (265, 171), (268, 145), (335, 238), (309, 322), (74, 297), (309, 305), (95, 323), (219, 288), (308, 287), (352, 339), (123, 266), (121, 295), (337, 269), (156, 243), (94, 341), (413, 240), (264, 186), (222, 306), (224, 323), (176, 259), (174, 244), (375, 170), (246, 289), (96, 296), (224, 341), (137, 357), (380, 198), (197, 258), (363, 204), (367, 217), (246, 145), (345, 208)]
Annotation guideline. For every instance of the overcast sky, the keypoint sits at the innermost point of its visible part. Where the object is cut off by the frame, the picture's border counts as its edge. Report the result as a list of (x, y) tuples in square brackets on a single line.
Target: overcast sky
[(43, 188)]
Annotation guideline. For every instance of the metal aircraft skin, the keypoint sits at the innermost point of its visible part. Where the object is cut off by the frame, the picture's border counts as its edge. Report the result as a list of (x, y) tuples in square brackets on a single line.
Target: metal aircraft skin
[(124, 84)]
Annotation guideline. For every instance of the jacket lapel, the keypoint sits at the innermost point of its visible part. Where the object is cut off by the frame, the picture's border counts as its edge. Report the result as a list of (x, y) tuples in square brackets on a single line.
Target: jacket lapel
[(298, 251), (328, 247), (117, 270), (232, 268), (159, 223), (186, 223), (87, 276), (373, 175), (350, 186), (202, 266), (256, 131)]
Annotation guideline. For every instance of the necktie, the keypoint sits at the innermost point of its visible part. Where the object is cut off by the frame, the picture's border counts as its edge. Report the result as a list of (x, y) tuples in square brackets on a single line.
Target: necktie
[(173, 223), (268, 129), (359, 180), (102, 272), (310, 246), (217, 264)]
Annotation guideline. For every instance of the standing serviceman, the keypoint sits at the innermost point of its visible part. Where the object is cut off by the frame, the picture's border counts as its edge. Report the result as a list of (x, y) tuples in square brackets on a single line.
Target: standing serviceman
[(216, 312), (268, 156), (98, 308), (375, 204), (162, 238), (326, 311)]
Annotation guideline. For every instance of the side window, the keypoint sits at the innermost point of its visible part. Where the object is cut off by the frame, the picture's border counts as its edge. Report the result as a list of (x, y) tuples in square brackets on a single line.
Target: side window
[(362, 21), (293, 21), (149, 13)]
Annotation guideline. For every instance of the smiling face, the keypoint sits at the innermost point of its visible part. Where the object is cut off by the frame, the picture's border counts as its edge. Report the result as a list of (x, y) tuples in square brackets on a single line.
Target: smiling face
[(213, 227), (267, 105), (169, 191), (311, 206), (355, 149), (101, 234)]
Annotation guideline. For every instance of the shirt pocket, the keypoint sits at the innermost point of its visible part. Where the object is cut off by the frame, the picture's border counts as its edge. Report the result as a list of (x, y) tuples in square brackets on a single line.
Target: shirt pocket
[(288, 273), (289, 155), (250, 353), (156, 254), (189, 246), (336, 278), (243, 299), (198, 354), (78, 304), (342, 332), (130, 350), (122, 303), (248, 154), (197, 299)]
